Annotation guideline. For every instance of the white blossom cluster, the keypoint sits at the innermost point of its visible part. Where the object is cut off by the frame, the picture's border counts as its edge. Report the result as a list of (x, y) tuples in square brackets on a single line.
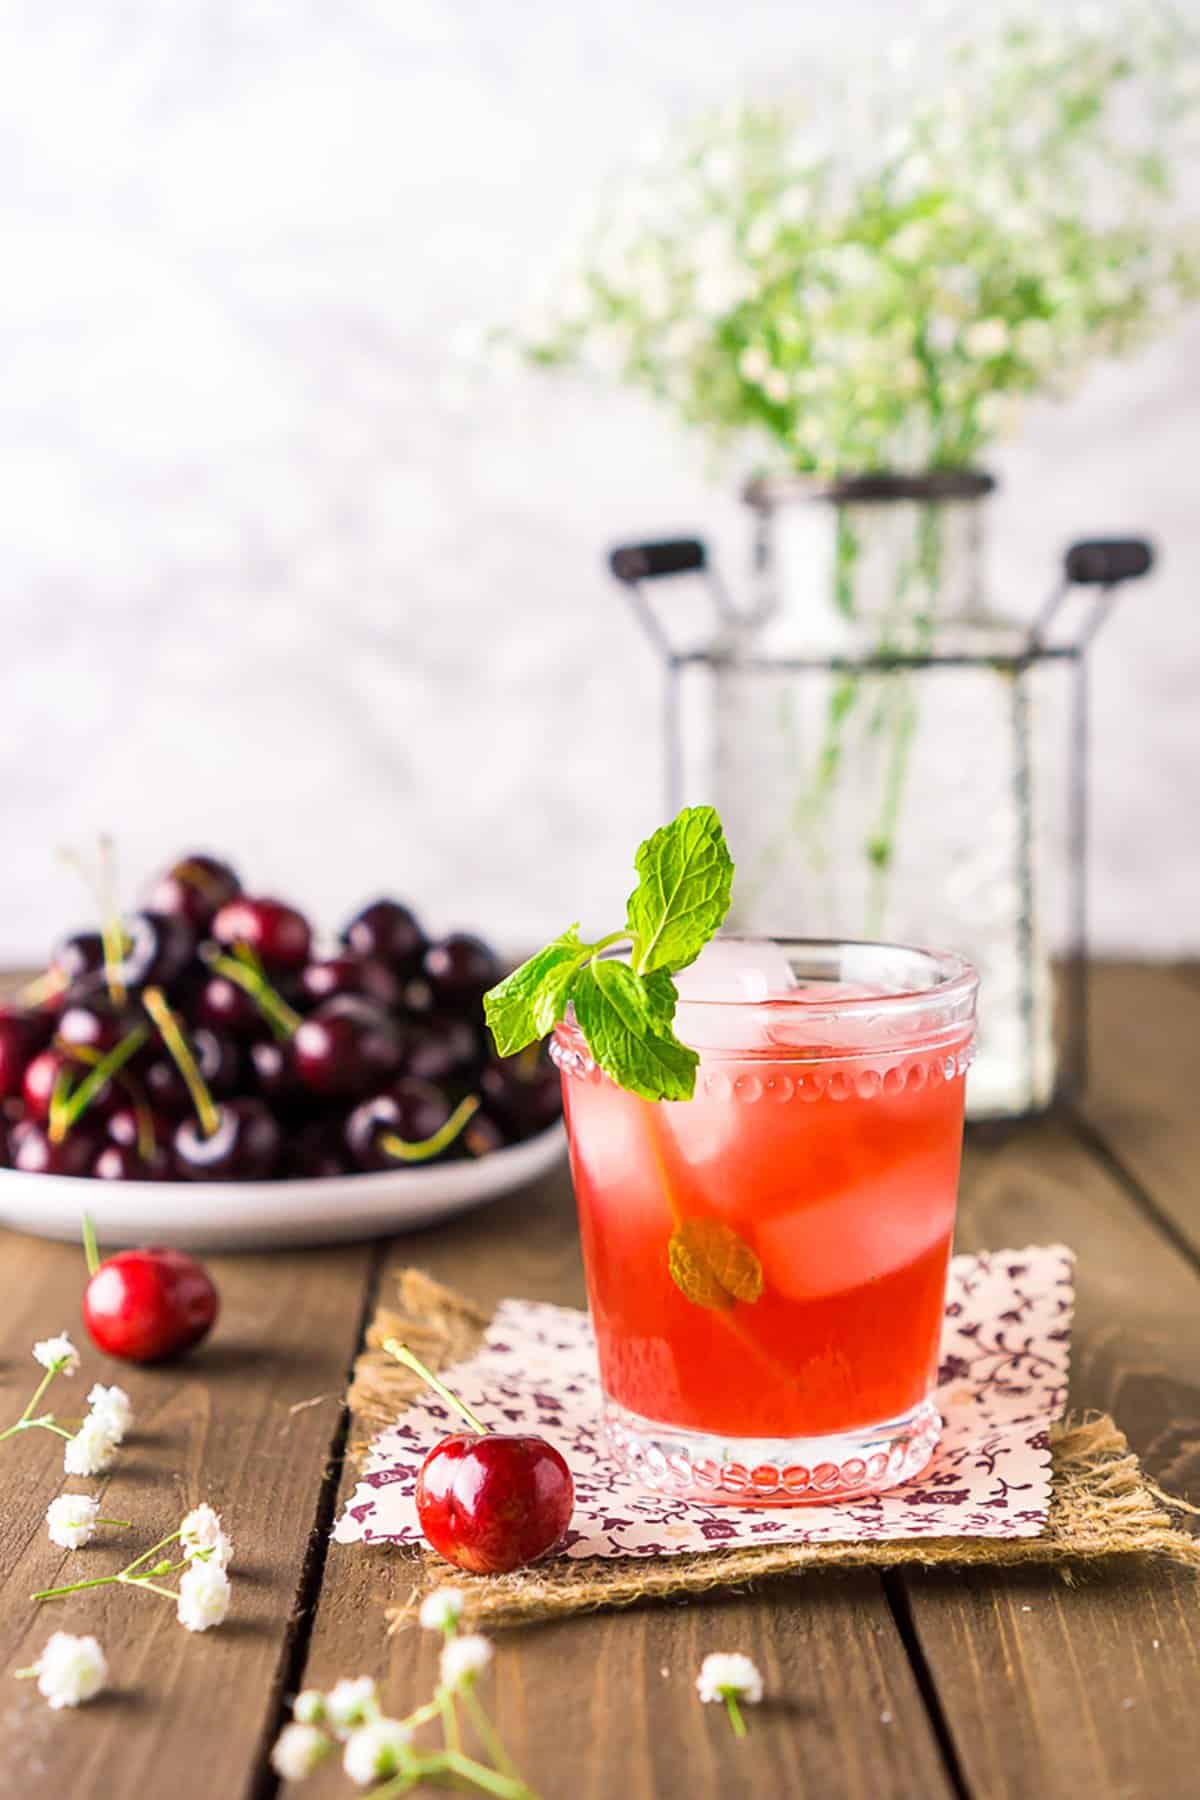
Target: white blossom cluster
[(879, 283), (374, 1748)]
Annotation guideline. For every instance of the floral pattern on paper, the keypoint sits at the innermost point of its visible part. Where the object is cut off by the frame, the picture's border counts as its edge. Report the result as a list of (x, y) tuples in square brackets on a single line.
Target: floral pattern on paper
[(1002, 1383)]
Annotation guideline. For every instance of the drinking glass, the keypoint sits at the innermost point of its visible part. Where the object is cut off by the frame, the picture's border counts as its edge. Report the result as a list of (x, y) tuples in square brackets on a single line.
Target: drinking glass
[(766, 1262)]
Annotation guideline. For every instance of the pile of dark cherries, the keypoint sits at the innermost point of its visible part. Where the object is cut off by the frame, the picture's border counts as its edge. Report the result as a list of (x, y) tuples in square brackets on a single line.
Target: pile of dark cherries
[(365, 1060)]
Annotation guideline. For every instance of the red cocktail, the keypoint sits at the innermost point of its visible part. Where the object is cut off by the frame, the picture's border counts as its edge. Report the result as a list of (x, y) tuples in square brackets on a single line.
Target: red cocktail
[(766, 1263)]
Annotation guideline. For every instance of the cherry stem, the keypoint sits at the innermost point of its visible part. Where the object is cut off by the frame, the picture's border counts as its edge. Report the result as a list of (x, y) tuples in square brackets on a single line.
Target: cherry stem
[(91, 1250), (103, 890), (45, 987), (111, 934), (423, 1149), (282, 1018), (154, 1000), (65, 1111), (404, 1355)]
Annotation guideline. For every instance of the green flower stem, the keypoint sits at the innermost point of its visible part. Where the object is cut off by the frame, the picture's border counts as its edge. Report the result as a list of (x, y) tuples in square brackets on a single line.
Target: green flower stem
[(171, 1538), (282, 1018), (122, 1579), (425, 1148), (423, 1714), (404, 1355), (449, 1712), (735, 1712), (91, 1249), (489, 1781), (488, 1732), (40, 1389)]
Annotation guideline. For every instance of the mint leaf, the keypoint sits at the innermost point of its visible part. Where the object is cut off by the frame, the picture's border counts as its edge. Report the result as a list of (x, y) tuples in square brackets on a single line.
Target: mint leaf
[(627, 1035), (528, 1004), (682, 896), (626, 1009)]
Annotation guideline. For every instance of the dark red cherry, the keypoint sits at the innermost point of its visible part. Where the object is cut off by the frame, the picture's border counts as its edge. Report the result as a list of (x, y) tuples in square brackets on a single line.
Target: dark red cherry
[(409, 1109), (218, 1060), (275, 1074), (318, 1151), (523, 1091), (225, 1006), (490, 1502), (443, 1046), (23, 1033), (388, 931), (245, 1146), (481, 1135), (158, 948), (122, 1126), (460, 968), (95, 1024), (347, 1047), (79, 959), (144, 1305), (125, 1162), (364, 976), (35, 1154), (277, 933), (194, 889)]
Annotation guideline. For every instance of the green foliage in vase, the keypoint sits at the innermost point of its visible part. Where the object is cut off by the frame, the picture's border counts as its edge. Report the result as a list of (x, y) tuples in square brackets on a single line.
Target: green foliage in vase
[(876, 279)]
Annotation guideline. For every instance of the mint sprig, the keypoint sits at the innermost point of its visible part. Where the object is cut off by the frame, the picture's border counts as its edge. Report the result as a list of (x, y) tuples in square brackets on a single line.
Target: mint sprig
[(626, 1009)]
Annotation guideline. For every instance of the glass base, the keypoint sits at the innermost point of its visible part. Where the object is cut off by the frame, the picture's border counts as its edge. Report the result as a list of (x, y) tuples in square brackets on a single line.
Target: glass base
[(694, 1465)]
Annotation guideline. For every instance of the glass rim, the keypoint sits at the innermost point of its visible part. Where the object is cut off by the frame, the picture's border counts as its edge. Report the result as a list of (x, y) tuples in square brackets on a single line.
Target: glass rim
[(958, 982)]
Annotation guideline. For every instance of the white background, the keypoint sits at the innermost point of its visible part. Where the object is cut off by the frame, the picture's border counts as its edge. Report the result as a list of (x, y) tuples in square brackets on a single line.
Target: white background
[(270, 588)]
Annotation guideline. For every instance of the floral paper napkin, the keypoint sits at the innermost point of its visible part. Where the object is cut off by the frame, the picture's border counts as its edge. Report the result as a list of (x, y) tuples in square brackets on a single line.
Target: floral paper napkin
[(1003, 1382)]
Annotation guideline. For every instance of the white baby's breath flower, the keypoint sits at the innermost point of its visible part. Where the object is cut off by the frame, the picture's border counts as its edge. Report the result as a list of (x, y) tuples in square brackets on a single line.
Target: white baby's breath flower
[(353, 1702), (754, 364), (70, 1670), (985, 338), (297, 1751), (308, 1708), (112, 1405), (375, 1751), (203, 1538), (463, 1658), (203, 1596), (729, 1672), (71, 1520), (776, 386), (57, 1353), (442, 1608), (91, 1450)]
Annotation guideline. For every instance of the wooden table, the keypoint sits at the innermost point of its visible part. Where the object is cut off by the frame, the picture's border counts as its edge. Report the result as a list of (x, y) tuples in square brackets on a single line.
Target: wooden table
[(914, 1685)]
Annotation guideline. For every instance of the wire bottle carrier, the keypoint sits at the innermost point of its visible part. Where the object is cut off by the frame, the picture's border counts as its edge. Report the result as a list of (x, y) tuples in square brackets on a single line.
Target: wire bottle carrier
[(919, 776)]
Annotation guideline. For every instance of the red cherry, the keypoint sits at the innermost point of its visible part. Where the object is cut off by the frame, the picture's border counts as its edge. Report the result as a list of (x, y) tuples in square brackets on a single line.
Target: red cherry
[(277, 933), (489, 1502), (194, 889), (144, 1305), (36, 1153), (41, 1078), (22, 1034)]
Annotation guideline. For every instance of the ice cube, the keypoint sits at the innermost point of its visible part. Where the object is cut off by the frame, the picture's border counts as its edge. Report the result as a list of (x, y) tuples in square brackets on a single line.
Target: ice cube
[(746, 969)]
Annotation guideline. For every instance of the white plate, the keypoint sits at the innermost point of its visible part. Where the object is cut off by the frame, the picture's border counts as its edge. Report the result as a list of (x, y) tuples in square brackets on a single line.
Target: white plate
[(264, 1215)]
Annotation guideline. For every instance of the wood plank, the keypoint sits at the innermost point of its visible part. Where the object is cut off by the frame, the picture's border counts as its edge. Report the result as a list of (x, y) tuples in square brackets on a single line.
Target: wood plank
[(584, 1703), (187, 1714), (1054, 1690), (1144, 1058)]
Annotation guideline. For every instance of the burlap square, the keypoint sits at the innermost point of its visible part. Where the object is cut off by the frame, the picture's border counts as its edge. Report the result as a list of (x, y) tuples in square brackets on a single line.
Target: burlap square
[(1102, 1504)]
